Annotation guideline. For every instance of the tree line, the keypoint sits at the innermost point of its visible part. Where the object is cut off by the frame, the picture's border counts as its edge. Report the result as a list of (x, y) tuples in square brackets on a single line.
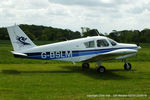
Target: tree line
[(44, 33), (56, 34)]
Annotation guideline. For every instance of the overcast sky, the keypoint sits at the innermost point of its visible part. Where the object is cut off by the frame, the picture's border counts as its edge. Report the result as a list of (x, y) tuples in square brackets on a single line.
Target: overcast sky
[(105, 15)]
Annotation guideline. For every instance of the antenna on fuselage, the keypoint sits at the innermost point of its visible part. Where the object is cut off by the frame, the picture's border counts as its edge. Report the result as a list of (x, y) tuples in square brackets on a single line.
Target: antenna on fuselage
[(99, 34)]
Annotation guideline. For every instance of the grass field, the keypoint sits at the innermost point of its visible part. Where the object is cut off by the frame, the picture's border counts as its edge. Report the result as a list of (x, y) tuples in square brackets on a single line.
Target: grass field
[(26, 79)]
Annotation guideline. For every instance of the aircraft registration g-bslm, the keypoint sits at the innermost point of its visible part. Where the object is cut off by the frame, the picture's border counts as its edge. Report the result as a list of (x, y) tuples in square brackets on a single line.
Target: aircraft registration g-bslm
[(89, 49)]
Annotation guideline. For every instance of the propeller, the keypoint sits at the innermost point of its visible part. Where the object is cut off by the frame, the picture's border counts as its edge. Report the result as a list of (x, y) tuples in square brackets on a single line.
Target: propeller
[(138, 38)]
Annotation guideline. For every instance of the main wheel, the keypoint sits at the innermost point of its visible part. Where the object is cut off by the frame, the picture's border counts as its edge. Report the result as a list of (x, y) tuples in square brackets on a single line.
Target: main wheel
[(85, 66), (101, 69), (127, 66)]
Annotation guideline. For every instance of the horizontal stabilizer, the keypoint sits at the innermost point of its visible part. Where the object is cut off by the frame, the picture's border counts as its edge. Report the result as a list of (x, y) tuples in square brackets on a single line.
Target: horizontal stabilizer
[(19, 54)]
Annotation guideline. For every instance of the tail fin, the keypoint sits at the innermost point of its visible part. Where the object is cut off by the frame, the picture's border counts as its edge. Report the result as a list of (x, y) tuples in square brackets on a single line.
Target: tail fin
[(19, 39)]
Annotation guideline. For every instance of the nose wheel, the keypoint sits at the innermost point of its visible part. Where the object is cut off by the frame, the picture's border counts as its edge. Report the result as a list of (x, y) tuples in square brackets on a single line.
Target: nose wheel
[(127, 66)]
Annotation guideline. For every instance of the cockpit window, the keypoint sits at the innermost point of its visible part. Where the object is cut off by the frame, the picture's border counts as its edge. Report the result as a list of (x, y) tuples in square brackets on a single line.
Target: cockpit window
[(113, 43), (102, 43), (89, 44)]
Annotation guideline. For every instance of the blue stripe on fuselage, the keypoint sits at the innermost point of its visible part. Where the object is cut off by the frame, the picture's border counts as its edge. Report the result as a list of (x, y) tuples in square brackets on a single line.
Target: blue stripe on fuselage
[(76, 53)]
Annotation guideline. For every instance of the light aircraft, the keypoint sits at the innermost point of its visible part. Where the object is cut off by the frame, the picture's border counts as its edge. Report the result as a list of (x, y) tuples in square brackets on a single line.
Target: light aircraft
[(85, 50)]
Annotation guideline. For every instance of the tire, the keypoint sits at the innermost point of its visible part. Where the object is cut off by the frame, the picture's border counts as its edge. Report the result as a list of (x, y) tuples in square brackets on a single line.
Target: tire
[(127, 66), (101, 69), (85, 66)]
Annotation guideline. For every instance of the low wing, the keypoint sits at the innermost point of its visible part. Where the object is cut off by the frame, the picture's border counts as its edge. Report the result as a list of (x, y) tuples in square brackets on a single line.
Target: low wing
[(115, 54)]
